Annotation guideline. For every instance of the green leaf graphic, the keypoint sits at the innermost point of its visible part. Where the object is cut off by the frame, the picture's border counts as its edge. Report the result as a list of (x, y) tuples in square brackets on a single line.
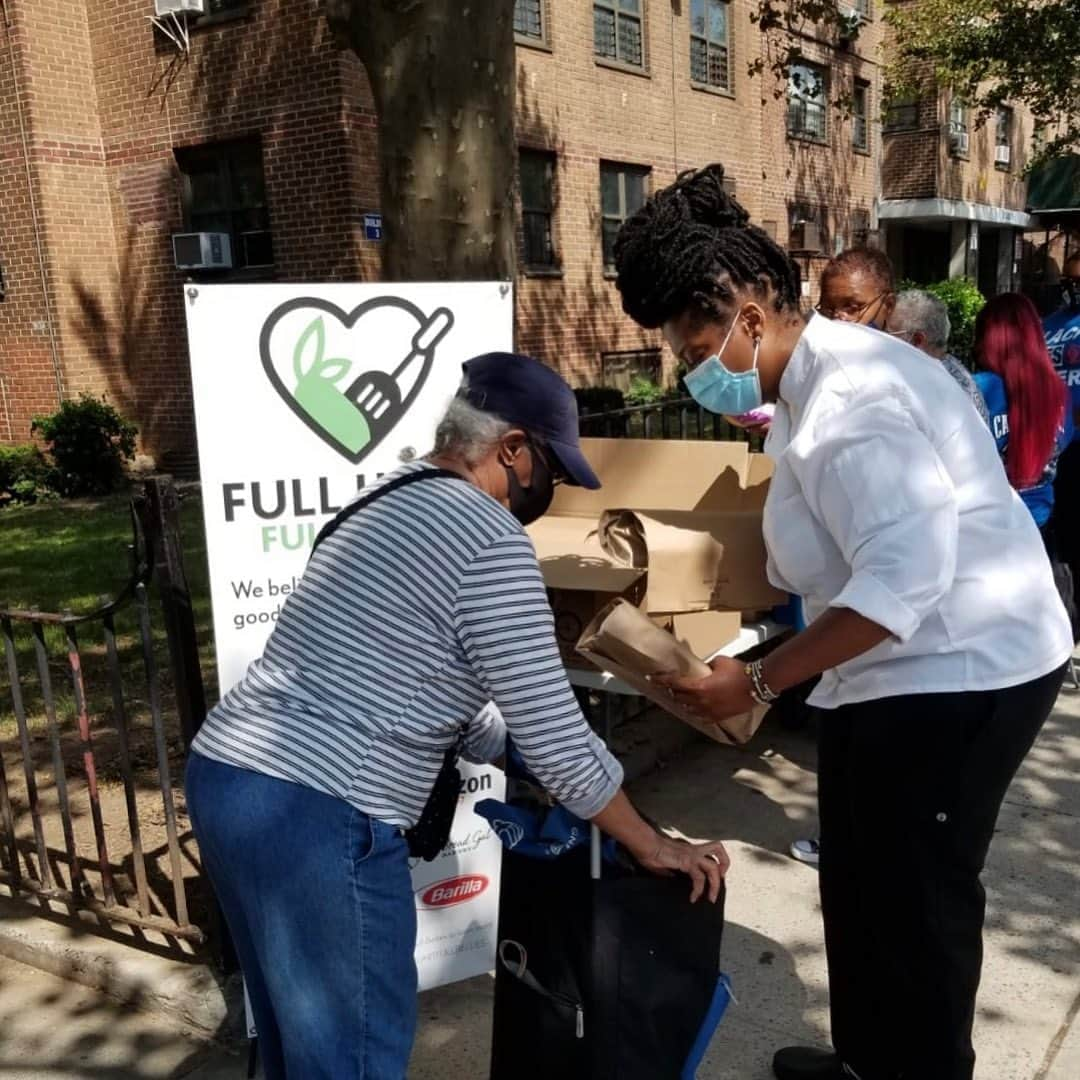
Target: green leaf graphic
[(333, 369), (317, 331)]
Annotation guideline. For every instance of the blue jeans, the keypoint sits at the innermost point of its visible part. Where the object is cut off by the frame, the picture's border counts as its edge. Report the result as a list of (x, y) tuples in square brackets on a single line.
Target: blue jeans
[(319, 901)]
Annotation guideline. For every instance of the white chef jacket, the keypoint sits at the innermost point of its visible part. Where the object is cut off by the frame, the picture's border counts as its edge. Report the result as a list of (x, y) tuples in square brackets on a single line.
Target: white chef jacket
[(889, 498)]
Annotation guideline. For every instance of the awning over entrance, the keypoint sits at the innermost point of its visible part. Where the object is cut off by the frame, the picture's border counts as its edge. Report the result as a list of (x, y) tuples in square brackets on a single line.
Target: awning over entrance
[(1055, 187), (941, 210)]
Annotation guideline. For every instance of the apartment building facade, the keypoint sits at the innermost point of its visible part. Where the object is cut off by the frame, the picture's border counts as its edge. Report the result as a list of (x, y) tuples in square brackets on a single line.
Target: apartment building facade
[(112, 141), (616, 97), (954, 191)]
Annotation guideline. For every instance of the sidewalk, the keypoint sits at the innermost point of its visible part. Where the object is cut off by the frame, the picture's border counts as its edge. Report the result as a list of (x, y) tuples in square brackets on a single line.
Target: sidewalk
[(759, 801)]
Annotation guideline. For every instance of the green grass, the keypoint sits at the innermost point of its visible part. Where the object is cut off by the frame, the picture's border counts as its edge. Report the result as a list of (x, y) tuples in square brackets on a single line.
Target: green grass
[(74, 556)]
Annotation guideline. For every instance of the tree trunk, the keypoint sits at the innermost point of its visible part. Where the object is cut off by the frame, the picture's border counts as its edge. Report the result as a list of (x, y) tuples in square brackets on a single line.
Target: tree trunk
[(442, 74)]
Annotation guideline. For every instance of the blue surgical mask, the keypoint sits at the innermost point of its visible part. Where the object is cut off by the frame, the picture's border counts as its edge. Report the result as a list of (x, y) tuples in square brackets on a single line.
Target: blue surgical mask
[(730, 393)]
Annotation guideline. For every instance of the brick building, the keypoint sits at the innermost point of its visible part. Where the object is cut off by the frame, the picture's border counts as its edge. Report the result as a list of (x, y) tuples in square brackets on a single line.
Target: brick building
[(112, 141), (618, 96), (953, 193)]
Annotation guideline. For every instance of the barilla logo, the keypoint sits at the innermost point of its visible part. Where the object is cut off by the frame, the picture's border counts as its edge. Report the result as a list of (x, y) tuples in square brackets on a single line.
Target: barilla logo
[(451, 891)]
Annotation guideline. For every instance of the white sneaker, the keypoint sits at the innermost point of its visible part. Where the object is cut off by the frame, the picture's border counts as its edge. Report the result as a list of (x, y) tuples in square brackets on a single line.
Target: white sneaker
[(806, 851)]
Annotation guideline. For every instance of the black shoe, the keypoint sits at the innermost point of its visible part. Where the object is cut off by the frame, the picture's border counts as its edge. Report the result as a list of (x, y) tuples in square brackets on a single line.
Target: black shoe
[(805, 1063)]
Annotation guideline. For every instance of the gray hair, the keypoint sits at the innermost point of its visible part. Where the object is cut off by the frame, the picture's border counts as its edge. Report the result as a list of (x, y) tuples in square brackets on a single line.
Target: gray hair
[(468, 432), (919, 310)]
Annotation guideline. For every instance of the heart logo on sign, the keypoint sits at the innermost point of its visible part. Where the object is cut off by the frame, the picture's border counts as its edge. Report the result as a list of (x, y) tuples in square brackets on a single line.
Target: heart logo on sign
[(351, 404)]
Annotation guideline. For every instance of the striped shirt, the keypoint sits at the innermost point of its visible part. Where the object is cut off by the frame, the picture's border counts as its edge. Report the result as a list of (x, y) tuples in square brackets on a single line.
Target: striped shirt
[(967, 384), (415, 614)]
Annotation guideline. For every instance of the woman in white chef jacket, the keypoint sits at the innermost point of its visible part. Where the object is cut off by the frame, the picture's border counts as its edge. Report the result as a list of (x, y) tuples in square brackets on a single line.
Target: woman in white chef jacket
[(934, 621)]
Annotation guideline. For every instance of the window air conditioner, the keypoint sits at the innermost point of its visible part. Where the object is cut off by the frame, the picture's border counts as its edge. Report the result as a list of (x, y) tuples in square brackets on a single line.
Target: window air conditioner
[(179, 7), (805, 236), (1002, 155), (202, 251), (958, 142), (849, 23)]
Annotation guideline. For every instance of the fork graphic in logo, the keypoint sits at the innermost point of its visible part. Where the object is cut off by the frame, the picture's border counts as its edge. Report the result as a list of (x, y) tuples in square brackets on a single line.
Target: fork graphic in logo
[(351, 413)]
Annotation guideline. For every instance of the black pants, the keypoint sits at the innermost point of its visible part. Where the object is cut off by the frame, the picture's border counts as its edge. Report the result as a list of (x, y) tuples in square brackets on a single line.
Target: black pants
[(1066, 518), (910, 789)]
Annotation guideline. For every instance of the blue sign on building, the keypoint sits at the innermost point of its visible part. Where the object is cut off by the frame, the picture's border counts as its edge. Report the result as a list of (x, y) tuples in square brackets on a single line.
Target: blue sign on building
[(373, 226)]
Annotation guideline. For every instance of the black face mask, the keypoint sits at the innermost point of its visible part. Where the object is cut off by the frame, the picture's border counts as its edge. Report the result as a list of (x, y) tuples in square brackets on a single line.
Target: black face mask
[(528, 504)]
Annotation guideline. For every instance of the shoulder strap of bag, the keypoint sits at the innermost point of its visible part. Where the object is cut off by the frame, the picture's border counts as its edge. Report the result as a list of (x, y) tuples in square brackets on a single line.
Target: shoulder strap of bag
[(333, 525)]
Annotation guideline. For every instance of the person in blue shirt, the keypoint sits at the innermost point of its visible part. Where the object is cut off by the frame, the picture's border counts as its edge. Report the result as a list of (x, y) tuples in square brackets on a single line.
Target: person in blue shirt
[(1062, 330), (1030, 418)]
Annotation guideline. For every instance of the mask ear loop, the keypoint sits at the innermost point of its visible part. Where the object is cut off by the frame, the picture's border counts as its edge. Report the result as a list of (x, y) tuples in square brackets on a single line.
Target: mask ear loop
[(757, 349)]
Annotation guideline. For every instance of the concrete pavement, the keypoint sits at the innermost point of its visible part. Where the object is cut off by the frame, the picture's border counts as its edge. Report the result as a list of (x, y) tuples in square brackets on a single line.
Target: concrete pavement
[(757, 800)]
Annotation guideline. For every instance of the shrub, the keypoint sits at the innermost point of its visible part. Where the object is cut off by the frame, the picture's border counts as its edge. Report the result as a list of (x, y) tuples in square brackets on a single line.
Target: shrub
[(964, 301), (599, 399), (643, 391), (89, 442), (23, 474)]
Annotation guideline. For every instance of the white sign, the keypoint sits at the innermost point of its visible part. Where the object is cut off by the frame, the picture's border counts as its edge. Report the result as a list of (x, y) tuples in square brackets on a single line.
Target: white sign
[(303, 396)]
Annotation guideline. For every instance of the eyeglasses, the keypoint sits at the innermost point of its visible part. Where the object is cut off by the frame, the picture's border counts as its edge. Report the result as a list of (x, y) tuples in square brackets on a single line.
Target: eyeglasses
[(558, 477), (852, 311)]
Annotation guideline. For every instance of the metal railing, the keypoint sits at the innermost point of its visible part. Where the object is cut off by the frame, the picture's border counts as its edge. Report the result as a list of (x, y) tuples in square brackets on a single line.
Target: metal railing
[(40, 853), (680, 418)]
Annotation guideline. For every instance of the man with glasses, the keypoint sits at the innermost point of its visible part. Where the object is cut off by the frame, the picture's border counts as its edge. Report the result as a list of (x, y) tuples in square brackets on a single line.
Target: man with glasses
[(858, 285)]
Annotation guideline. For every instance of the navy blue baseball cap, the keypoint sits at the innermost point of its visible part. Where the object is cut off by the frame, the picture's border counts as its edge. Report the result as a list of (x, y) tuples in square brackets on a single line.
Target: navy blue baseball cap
[(530, 395)]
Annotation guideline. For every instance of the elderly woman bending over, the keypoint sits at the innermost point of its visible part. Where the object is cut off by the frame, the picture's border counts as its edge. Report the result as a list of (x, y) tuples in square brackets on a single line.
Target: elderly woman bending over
[(417, 610)]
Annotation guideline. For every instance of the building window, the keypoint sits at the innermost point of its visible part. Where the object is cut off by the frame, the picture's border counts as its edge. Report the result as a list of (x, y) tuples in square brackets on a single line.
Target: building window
[(710, 44), (221, 7), (860, 116), (860, 228), (529, 20), (806, 232), (862, 7), (224, 191), (619, 369), (902, 113), (622, 193), (959, 139), (537, 168), (807, 102), (1003, 138), (617, 31)]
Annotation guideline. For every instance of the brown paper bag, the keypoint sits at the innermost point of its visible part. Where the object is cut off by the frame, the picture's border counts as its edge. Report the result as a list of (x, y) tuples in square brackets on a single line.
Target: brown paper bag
[(697, 560), (625, 642)]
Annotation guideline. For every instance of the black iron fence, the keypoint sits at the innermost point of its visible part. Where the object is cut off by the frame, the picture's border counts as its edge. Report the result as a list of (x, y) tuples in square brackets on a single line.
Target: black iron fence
[(87, 696), (680, 418)]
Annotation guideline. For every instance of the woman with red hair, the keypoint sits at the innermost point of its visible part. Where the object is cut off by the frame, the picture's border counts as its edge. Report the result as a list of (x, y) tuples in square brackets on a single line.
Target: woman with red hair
[(1026, 400)]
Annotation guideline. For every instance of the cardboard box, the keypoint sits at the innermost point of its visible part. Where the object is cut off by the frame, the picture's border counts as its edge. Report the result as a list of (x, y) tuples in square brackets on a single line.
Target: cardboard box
[(702, 632), (580, 578), (576, 602), (710, 494), (665, 474), (698, 560)]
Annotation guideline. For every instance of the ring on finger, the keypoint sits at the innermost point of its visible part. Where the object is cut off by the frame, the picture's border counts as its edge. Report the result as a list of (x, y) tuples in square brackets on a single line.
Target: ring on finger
[(715, 858)]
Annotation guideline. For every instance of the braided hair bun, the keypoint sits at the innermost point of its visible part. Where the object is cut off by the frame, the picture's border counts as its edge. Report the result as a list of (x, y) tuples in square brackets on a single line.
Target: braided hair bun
[(690, 246)]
